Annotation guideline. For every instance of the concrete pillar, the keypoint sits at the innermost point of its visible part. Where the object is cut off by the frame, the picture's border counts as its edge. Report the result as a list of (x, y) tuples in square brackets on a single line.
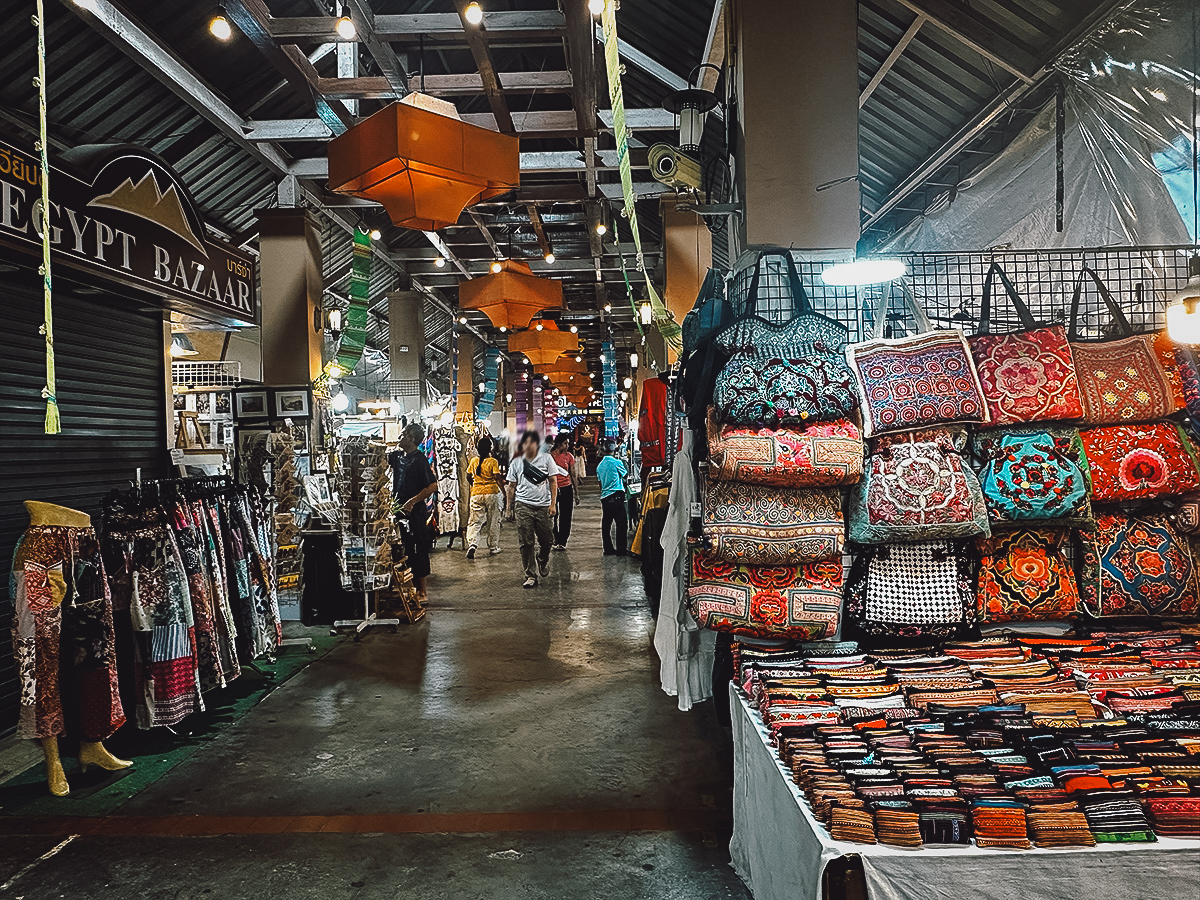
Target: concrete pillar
[(464, 406), (687, 248), (406, 348), (289, 265), (796, 72)]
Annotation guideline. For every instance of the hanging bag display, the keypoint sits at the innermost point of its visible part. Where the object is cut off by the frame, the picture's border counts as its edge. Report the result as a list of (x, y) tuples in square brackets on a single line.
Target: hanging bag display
[(918, 590), (1139, 462), (1132, 378), (800, 603), (823, 454), (913, 382), (1024, 576), (783, 373), (1028, 375), (1137, 566), (1034, 476), (702, 359), (761, 526), (917, 486)]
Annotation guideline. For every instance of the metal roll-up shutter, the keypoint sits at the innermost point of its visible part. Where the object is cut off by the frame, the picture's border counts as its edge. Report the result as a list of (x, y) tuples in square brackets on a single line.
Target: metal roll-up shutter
[(109, 365)]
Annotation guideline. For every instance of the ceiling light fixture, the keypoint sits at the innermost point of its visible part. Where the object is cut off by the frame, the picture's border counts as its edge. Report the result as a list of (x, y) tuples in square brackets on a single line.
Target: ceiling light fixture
[(601, 229), (550, 258), (579, 359), (341, 402), (628, 383), (473, 13), (440, 262), (646, 312), (540, 326), (608, 307), (462, 320), (863, 271), (574, 329), (633, 361), (1183, 312), (376, 234), (220, 28), (345, 26), (497, 268), (595, 7)]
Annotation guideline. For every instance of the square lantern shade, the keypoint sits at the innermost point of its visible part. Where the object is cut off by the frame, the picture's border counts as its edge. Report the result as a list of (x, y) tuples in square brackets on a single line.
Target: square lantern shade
[(562, 368), (512, 296), (424, 167), (545, 346)]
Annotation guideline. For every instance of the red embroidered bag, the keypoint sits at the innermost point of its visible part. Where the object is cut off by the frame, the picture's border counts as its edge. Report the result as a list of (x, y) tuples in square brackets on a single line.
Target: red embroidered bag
[(825, 454), (1134, 378), (1138, 462), (796, 602), (1027, 376), (1024, 575)]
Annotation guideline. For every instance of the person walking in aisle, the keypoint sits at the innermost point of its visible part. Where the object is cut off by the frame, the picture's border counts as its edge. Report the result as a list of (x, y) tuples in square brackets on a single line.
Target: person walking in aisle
[(568, 489), (532, 495), (484, 474), (612, 473), (412, 484)]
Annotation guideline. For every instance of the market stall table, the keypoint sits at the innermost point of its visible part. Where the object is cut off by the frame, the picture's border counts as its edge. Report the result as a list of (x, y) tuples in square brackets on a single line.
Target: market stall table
[(781, 850)]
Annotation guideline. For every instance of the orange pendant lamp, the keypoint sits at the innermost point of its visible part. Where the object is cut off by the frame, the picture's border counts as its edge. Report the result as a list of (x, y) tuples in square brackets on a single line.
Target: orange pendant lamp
[(563, 367), (542, 346), (422, 162), (512, 296)]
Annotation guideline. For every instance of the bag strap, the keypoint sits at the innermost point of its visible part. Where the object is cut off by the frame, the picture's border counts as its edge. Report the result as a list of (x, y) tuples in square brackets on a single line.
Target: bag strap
[(985, 314), (914, 307), (801, 305), (1114, 308)]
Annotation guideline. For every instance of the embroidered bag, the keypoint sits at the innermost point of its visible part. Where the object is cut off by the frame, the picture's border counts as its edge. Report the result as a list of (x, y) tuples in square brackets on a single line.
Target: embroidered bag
[(1189, 377), (814, 456), (917, 486), (923, 589), (1024, 575), (795, 602), (1134, 378), (1026, 376), (748, 523), (1138, 462), (1035, 476), (1137, 566), (913, 382), (784, 373)]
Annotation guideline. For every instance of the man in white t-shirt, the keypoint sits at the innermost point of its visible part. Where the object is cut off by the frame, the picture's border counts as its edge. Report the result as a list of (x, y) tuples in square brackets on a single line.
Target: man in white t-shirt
[(532, 498)]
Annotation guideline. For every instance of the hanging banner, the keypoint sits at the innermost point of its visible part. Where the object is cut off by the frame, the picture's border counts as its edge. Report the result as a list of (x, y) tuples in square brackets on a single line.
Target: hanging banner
[(670, 329), (612, 402), (354, 328), (491, 374)]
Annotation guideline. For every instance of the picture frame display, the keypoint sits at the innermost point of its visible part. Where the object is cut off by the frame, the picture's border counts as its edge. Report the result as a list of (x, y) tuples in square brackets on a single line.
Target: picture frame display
[(292, 402), (251, 404)]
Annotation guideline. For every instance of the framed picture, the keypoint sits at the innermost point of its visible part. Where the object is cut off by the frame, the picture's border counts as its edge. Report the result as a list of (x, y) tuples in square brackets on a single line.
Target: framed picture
[(250, 404), (316, 488), (293, 403)]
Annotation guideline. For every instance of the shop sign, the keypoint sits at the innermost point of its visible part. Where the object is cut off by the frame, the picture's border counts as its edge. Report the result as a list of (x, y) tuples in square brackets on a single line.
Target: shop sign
[(119, 212)]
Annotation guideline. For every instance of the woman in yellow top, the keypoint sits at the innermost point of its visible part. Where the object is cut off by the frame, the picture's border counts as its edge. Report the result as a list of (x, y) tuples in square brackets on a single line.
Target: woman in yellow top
[(484, 474)]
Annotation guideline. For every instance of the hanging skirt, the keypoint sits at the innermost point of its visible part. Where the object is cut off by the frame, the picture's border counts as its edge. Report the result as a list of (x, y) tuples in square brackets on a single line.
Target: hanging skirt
[(63, 638)]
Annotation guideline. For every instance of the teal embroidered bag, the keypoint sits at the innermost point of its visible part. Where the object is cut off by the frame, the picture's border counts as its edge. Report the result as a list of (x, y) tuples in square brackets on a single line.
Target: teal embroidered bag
[(1034, 475)]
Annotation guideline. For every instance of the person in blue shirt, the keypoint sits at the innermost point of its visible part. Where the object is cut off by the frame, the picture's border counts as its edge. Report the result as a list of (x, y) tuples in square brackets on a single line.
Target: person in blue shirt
[(612, 474)]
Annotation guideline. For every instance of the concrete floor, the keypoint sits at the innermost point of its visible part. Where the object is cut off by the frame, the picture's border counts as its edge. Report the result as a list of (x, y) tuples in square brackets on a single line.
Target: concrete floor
[(508, 720)]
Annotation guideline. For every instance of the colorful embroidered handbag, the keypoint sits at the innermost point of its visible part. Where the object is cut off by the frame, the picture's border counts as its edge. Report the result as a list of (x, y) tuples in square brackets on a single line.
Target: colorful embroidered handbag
[(1134, 378), (760, 526), (913, 382), (916, 486), (1138, 462), (1036, 476), (923, 589), (1137, 566), (1025, 575), (796, 602), (784, 373), (815, 456), (1189, 377), (1026, 376)]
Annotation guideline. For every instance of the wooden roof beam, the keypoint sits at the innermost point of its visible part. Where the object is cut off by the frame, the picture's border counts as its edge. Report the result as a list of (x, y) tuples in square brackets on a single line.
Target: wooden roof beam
[(492, 89)]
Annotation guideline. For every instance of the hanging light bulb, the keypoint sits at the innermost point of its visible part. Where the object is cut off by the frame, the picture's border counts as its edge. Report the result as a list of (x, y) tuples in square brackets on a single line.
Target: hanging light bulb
[(628, 383), (633, 360), (440, 262), (1183, 312), (462, 320), (376, 234), (550, 258), (473, 13), (539, 326), (574, 329), (596, 7), (341, 402), (345, 27), (601, 229), (503, 328), (608, 307), (646, 312), (579, 359), (220, 28), (497, 268), (483, 387), (508, 398)]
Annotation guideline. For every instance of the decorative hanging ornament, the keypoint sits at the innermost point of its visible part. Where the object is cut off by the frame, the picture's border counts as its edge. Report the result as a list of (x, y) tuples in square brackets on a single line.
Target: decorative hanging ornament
[(354, 323), (423, 163), (545, 346), (512, 296)]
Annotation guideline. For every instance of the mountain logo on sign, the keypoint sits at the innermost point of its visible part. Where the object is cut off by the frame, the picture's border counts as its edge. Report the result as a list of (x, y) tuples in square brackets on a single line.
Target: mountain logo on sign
[(146, 201)]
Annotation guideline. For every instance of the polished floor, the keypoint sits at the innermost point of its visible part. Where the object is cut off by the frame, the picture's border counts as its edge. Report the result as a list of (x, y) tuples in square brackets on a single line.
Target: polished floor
[(514, 744)]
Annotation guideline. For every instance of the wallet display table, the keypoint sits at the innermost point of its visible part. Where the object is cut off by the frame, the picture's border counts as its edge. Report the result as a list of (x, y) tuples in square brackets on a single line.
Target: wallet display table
[(781, 851)]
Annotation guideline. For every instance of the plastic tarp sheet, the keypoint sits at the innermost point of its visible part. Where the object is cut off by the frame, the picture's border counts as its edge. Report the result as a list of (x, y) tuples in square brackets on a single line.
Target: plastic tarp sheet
[(1128, 151), (780, 850)]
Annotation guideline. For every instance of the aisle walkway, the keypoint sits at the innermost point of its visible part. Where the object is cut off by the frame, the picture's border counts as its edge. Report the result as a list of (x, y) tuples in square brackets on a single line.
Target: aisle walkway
[(515, 743)]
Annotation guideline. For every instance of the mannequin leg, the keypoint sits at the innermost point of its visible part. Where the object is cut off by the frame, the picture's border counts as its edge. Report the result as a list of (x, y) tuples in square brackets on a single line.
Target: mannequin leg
[(93, 753), (55, 777)]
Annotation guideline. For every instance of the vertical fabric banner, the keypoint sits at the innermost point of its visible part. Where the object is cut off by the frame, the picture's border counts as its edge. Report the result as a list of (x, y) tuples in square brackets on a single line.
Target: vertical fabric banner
[(670, 329), (491, 373), (354, 328), (612, 414), (453, 369), (521, 399), (539, 406)]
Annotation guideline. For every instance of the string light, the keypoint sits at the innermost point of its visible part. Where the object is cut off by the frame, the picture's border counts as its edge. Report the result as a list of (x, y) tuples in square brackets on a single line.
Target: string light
[(219, 26), (473, 13), (345, 26)]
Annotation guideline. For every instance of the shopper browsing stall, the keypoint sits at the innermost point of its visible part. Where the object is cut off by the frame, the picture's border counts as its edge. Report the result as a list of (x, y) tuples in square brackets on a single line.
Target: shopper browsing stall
[(413, 484), (532, 499), (484, 474), (612, 474), (568, 493)]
